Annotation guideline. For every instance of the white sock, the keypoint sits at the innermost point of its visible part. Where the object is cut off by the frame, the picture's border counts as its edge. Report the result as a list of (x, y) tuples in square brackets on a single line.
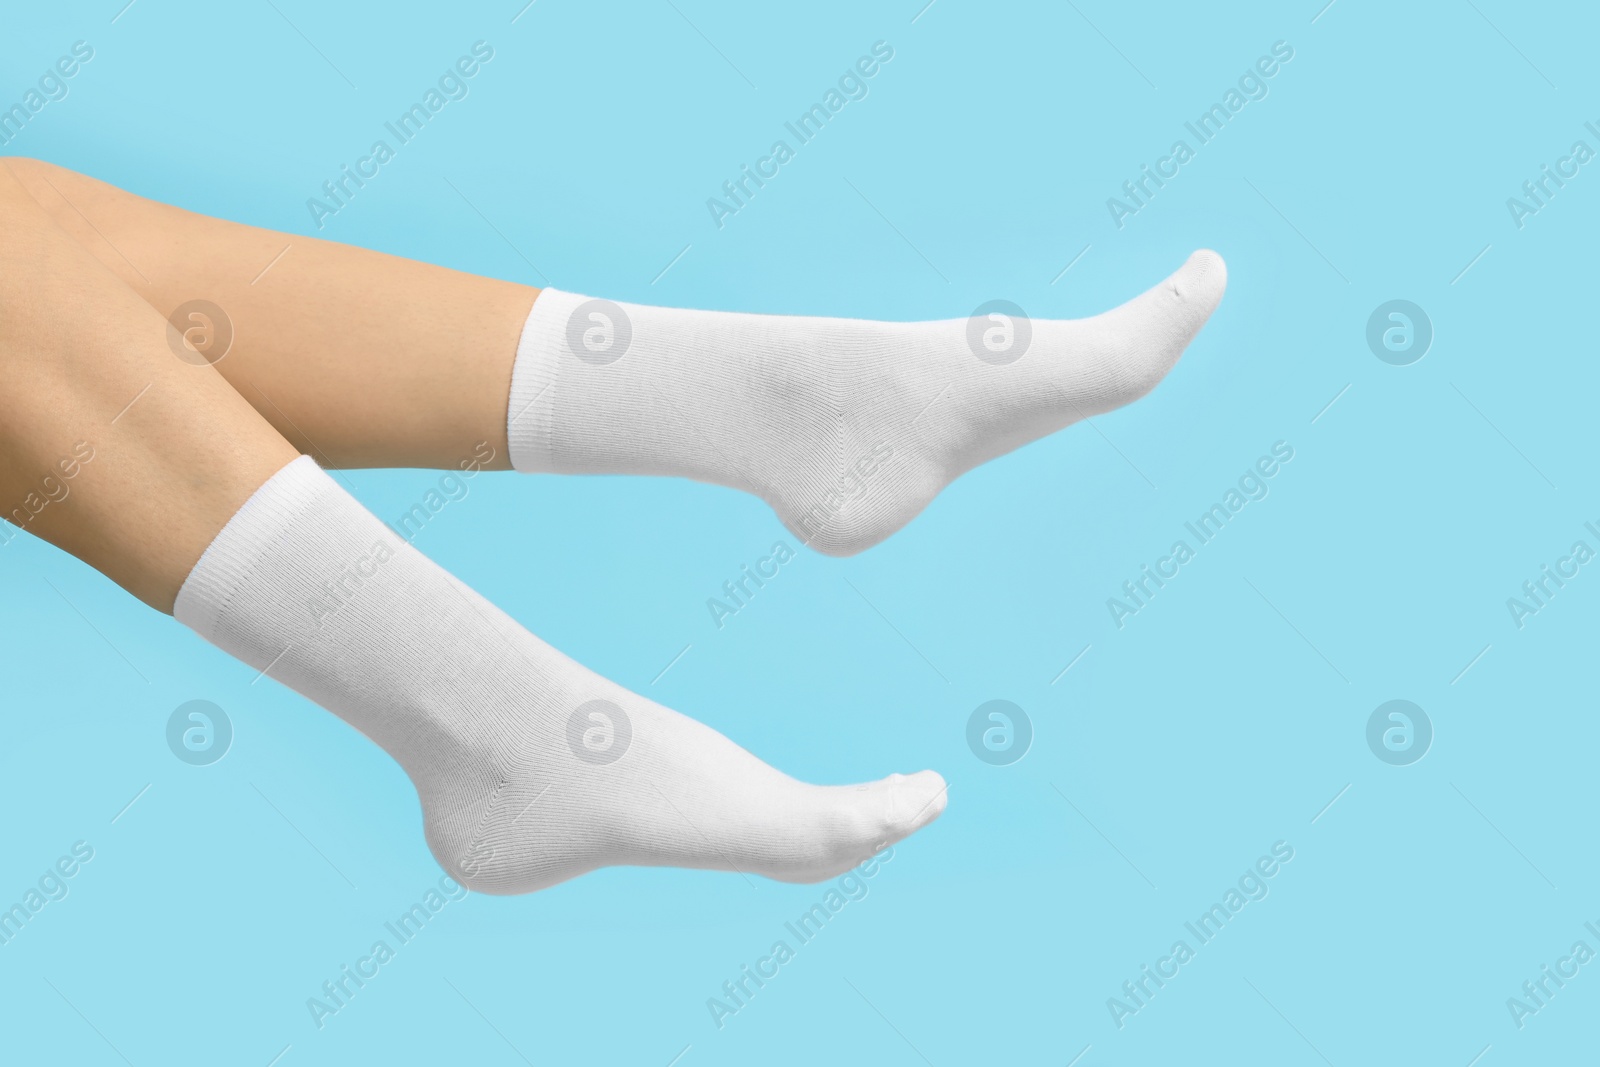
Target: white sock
[(530, 768), (847, 428)]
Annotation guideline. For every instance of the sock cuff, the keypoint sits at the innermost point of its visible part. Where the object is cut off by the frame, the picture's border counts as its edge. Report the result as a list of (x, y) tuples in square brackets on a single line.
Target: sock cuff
[(260, 524), (533, 379)]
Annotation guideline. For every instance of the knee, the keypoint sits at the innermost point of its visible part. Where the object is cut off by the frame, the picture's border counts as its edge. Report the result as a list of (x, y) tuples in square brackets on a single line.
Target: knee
[(67, 197), (27, 172), (19, 181), (33, 191), (30, 183), (12, 168)]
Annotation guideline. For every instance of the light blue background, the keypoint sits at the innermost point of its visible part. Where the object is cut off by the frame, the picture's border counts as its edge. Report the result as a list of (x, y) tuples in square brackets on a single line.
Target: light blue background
[(1221, 719)]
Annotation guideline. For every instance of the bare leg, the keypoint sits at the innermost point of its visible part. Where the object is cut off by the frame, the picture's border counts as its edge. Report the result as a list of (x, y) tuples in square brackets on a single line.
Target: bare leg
[(847, 428), (85, 369), (529, 768), (359, 358)]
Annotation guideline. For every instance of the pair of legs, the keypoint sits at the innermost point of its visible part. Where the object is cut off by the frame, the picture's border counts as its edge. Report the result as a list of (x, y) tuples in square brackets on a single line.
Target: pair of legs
[(530, 768), (357, 358)]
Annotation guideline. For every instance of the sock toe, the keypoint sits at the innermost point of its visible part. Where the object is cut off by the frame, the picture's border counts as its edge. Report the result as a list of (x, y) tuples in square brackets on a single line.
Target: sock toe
[(1200, 282), (914, 801), (857, 822), (1154, 328)]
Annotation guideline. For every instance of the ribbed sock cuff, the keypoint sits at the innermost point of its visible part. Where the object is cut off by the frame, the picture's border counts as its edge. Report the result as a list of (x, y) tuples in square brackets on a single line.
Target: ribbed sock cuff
[(533, 378), (263, 521)]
